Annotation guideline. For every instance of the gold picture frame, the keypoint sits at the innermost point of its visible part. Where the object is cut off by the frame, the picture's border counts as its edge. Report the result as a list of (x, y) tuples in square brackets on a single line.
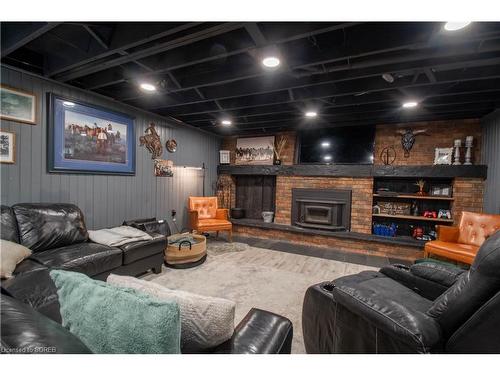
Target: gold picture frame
[(12, 101), (8, 147)]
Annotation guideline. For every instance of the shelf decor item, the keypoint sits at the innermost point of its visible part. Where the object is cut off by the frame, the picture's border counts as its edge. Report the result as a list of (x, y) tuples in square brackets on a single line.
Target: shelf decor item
[(17, 105), (7, 147), (393, 208), (83, 138), (440, 191), (443, 155), (420, 183), (468, 152), (278, 149), (255, 151), (457, 144), (224, 157)]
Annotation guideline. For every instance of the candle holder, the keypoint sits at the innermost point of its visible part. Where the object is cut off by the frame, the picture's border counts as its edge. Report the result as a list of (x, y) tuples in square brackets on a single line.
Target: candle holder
[(468, 146), (457, 145)]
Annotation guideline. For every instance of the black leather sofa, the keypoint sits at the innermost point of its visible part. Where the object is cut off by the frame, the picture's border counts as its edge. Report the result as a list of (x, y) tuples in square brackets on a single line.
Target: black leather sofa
[(426, 308), (57, 235)]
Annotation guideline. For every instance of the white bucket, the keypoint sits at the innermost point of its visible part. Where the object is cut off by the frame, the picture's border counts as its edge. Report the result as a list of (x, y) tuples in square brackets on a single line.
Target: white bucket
[(268, 216)]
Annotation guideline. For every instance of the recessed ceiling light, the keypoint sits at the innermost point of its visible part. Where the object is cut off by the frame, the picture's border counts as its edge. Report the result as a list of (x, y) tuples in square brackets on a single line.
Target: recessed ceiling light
[(410, 104), (68, 104), (327, 158), (453, 26), (148, 87), (271, 61), (388, 77), (311, 114), (325, 144), (226, 122)]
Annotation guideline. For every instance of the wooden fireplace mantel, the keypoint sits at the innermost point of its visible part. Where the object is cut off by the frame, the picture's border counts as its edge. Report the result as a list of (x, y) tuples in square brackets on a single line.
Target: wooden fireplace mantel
[(350, 170)]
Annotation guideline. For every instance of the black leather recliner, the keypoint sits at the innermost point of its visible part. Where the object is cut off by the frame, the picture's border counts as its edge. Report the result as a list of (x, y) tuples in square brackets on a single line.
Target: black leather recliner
[(426, 308)]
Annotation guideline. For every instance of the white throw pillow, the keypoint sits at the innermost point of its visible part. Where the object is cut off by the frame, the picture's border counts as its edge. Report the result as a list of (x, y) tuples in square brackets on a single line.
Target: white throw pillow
[(205, 321), (11, 254)]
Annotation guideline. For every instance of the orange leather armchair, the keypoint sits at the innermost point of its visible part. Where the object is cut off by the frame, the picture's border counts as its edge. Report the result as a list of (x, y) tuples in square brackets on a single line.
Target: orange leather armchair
[(462, 243), (205, 216)]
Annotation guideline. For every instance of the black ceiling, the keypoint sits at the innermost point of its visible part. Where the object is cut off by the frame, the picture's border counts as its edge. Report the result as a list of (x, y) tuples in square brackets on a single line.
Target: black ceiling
[(209, 71)]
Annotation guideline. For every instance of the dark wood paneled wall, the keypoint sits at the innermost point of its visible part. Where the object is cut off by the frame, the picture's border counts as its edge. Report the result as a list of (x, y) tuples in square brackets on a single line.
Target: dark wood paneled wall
[(105, 200)]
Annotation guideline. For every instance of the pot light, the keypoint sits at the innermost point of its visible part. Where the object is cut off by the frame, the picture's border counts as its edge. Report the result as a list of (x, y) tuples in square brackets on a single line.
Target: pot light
[(410, 104), (327, 158), (325, 144), (226, 122), (271, 61), (68, 104), (311, 114), (453, 26), (148, 87)]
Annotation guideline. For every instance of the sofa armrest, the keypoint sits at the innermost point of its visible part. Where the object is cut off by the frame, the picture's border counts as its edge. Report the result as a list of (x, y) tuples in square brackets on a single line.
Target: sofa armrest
[(260, 332), (222, 214), (447, 234), (409, 328), (429, 279), (193, 219)]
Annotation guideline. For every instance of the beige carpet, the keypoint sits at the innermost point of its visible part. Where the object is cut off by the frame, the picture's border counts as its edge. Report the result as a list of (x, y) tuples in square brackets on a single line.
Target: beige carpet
[(254, 277)]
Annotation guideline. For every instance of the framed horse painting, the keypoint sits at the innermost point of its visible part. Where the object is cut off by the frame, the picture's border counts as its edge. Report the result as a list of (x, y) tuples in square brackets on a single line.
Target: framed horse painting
[(84, 138)]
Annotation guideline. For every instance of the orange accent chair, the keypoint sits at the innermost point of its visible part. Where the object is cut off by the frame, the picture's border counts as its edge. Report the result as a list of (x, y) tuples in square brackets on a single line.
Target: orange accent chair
[(462, 243), (205, 216)]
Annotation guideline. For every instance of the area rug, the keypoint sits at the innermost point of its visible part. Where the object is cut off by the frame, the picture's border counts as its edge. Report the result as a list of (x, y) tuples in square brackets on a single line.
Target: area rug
[(255, 277)]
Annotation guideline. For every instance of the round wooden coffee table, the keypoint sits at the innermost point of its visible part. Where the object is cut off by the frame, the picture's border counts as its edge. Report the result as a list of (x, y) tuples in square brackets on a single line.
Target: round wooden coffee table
[(183, 254)]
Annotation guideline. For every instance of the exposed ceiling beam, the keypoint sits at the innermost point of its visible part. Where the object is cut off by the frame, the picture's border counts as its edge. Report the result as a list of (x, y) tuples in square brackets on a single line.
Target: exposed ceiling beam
[(122, 46), (159, 48), (96, 37), (351, 75), (11, 41), (255, 33)]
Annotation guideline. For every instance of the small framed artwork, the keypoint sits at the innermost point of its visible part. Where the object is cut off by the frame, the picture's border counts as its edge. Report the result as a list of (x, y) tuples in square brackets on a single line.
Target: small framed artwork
[(163, 168), (7, 147), (224, 157), (440, 191), (255, 151), (17, 105), (84, 138), (443, 156)]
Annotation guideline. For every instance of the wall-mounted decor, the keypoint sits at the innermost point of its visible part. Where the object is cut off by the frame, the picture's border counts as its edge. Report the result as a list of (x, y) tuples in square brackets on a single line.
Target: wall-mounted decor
[(388, 155), (17, 105), (152, 141), (87, 139), (408, 139), (163, 168), (255, 151), (171, 145), (7, 147), (443, 155), (279, 149), (224, 157)]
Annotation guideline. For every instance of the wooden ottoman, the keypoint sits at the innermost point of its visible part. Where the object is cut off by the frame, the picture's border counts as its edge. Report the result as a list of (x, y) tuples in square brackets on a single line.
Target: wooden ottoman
[(184, 254)]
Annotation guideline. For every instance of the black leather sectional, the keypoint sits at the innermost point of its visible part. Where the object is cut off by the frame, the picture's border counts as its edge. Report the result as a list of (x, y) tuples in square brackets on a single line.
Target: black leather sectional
[(57, 235), (425, 308)]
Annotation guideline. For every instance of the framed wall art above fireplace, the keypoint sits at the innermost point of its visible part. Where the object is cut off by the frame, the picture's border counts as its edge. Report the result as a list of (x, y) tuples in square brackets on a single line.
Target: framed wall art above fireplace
[(87, 139)]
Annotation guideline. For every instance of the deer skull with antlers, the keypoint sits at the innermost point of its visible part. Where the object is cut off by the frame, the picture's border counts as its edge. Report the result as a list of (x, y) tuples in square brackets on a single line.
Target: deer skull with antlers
[(408, 139)]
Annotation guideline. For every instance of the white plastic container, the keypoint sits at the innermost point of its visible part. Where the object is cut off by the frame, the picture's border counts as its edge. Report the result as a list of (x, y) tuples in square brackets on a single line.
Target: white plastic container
[(268, 216)]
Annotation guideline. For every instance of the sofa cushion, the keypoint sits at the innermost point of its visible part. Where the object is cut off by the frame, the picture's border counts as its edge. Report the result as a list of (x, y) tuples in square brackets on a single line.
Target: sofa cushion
[(206, 321), (213, 223), (11, 254), (475, 228), (25, 330), (87, 257), (142, 249), (35, 288), (449, 249), (8, 229), (110, 319), (44, 226)]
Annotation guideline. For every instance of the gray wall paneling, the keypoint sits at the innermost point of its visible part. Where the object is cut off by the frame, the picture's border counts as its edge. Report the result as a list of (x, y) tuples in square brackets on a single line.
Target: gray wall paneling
[(491, 157), (105, 200)]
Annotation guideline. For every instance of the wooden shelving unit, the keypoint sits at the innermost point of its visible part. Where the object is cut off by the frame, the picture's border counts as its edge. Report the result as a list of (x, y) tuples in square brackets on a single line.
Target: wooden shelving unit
[(414, 218), (417, 197)]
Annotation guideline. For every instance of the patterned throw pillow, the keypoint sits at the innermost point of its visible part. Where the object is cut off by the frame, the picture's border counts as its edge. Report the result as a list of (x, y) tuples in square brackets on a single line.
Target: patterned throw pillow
[(11, 254)]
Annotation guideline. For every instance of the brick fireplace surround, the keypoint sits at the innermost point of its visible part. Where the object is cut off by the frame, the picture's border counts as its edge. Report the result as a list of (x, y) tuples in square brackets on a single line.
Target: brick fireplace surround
[(467, 192)]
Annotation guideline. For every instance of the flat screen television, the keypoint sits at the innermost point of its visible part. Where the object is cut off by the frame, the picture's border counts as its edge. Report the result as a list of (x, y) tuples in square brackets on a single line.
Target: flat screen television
[(343, 145)]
